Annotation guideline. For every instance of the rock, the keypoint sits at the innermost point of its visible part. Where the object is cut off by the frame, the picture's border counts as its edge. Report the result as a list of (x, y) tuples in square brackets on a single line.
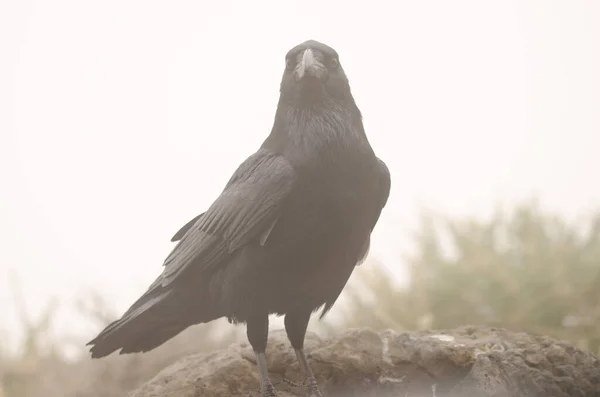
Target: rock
[(462, 362)]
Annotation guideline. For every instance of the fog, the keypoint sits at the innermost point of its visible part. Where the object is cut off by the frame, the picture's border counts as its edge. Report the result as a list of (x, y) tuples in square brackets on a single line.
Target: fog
[(121, 120)]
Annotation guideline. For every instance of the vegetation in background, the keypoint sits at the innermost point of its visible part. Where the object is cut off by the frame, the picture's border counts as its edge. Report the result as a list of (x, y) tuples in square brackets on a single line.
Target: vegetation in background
[(526, 270), (41, 368)]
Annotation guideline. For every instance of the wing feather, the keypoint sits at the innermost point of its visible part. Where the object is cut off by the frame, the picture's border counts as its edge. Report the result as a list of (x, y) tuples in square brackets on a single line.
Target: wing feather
[(181, 232), (246, 210)]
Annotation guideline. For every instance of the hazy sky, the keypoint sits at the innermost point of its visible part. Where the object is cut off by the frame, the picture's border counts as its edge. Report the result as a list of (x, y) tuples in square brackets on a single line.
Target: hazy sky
[(121, 120)]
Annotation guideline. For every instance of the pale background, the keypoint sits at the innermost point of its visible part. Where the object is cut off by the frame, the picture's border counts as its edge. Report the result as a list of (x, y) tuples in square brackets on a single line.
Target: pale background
[(121, 120)]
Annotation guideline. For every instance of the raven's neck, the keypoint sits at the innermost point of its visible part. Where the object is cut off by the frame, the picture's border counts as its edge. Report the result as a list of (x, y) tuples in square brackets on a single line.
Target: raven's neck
[(316, 128)]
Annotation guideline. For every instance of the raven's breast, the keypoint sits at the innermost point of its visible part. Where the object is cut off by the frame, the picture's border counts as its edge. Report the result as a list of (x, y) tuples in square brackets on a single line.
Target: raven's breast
[(321, 234), (315, 243)]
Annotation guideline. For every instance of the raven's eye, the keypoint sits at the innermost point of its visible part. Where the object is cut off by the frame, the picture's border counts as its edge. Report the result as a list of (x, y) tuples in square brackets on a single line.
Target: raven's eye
[(335, 63), (289, 64)]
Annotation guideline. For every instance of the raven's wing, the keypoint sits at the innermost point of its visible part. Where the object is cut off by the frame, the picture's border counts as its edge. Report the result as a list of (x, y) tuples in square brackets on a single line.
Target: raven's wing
[(184, 229), (385, 182), (181, 232), (381, 196), (382, 193), (245, 211)]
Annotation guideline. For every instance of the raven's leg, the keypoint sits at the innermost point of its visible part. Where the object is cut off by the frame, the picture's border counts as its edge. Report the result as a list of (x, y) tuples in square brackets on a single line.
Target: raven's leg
[(295, 326), (257, 329)]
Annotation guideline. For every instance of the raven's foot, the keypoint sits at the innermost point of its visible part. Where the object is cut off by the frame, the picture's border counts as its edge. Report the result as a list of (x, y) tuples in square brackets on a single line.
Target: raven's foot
[(266, 387), (312, 389), (268, 390), (287, 382)]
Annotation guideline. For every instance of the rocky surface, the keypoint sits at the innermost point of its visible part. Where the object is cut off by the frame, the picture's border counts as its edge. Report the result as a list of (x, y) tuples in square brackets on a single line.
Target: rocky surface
[(465, 362)]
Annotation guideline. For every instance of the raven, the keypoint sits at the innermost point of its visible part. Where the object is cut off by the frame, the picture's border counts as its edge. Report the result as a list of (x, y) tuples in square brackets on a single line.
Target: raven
[(286, 232)]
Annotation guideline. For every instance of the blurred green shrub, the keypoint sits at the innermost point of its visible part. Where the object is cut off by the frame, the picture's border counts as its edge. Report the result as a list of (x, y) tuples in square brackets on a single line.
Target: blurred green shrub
[(525, 269)]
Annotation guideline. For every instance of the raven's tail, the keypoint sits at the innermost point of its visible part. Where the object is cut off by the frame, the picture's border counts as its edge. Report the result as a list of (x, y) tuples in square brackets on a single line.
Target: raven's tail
[(149, 323)]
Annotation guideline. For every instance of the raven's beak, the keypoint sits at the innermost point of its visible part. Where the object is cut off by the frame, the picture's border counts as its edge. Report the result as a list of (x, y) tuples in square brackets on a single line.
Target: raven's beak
[(309, 65)]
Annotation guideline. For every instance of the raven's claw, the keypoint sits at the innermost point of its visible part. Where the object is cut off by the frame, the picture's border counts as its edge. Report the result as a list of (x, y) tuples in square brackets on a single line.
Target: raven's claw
[(287, 382), (268, 390), (312, 390)]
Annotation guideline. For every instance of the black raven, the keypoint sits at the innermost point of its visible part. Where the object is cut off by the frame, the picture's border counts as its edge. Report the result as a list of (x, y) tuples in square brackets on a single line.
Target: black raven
[(286, 232)]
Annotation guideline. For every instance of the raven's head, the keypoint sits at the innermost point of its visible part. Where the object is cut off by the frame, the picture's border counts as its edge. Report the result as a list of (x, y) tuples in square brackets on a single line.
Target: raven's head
[(313, 73)]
